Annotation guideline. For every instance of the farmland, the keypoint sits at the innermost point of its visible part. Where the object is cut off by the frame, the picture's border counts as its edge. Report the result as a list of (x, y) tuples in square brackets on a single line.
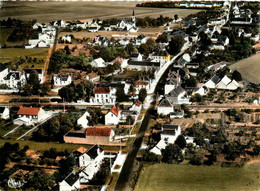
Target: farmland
[(11, 54), (186, 177), (48, 11), (249, 68)]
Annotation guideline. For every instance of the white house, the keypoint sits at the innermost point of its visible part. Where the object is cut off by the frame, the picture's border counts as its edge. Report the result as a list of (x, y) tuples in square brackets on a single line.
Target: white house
[(66, 38), (135, 56), (140, 84), (103, 96), (177, 96), (90, 161), (30, 115), (98, 63), (83, 120), (165, 107), (141, 39), (4, 112), (137, 106), (113, 116), (62, 79), (70, 183), (3, 72), (225, 83), (161, 56), (172, 81), (169, 134), (15, 79)]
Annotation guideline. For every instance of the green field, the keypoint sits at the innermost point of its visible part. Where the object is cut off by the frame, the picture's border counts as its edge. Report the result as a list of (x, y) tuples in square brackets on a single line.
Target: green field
[(249, 68), (6, 126), (10, 54), (169, 177), (4, 34), (42, 146)]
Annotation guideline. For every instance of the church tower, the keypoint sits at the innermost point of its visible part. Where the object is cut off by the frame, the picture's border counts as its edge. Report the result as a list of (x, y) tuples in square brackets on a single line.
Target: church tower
[(133, 17)]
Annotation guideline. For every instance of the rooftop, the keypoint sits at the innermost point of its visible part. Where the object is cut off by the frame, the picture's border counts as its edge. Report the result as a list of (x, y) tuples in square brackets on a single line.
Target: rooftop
[(94, 131), (28, 111)]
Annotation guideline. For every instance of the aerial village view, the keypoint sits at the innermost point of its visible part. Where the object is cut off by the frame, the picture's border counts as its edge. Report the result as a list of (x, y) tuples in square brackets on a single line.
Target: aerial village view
[(130, 95)]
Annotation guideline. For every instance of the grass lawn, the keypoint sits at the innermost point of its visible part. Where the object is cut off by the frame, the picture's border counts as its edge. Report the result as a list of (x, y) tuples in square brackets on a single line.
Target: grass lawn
[(249, 68), (4, 34), (42, 146), (169, 177), (10, 54), (20, 131), (6, 126)]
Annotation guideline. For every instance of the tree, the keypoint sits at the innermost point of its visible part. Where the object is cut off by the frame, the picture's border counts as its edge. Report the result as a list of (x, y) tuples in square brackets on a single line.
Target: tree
[(236, 76), (67, 50), (142, 95), (171, 153), (176, 44), (192, 82), (162, 38), (34, 81), (176, 17), (130, 48), (196, 158), (180, 141), (120, 95)]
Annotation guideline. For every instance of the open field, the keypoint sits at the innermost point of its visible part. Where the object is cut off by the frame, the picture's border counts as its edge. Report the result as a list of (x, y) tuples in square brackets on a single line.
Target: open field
[(10, 54), (169, 177), (151, 32), (48, 11), (42, 146), (249, 68)]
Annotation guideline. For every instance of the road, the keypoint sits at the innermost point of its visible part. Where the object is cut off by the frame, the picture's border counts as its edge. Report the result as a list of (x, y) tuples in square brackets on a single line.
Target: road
[(222, 107), (126, 172)]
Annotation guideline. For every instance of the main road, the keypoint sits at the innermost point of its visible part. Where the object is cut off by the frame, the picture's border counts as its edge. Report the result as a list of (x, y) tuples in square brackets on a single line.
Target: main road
[(126, 172)]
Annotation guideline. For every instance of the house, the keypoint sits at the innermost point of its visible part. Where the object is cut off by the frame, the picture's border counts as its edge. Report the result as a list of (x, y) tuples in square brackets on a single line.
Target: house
[(3, 72), (172, 81), (199, 89), (136, 56), (92, 77), (177, 96), (103, 96), (123, 62), (15, 79), (70, 183), (169, 134), (160, 56), (221, 83), (92, 135), (165, 107), (137, 106), (90, 161), (30, 115), (140, 84), (59, 23), (226, 83), (141, 39), (4, 112), (83, 120), (66, 38), (98, 63), (113, 116), (62, 79), (216, 67), (143, 65)]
